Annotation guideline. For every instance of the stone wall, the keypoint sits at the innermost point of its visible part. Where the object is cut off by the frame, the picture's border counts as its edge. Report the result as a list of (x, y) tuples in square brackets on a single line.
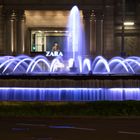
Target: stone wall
[(1, 32), (44, 18), (108, 47)]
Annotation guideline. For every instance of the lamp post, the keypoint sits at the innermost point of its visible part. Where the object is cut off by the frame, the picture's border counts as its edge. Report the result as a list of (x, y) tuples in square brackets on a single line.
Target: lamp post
[(123, 28)]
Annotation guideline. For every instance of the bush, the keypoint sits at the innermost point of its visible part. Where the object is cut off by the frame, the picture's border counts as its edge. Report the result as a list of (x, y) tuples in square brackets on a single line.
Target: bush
[(51, 109)]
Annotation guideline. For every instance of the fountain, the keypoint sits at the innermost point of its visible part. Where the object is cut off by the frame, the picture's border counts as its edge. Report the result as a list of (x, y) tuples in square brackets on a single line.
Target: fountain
[(75, 44), (40, 65), (72, 78)]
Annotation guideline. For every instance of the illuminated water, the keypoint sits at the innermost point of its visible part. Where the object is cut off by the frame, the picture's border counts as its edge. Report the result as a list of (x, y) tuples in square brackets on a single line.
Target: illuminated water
[(75, 44), (69, 94), (10, 65), (73, 63)]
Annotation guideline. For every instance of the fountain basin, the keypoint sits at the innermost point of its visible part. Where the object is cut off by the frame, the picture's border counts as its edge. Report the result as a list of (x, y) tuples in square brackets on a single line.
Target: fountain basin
[(69, 88), (71, 81)]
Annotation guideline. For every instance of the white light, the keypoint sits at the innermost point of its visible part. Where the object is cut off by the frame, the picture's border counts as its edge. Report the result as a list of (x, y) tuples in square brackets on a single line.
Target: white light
[(39, 31), (128, 23)]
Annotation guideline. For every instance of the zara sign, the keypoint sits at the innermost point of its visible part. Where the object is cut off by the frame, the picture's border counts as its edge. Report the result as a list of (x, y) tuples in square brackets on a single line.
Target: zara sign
[(54, 53)]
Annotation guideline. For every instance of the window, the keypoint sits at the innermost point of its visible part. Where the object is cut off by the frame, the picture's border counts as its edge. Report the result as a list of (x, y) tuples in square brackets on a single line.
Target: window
[(43, 40)]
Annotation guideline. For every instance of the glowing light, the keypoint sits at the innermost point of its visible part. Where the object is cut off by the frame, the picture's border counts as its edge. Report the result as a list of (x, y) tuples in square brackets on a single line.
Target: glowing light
[(129, 23), (118, 63), (70, 62), (87, 63), (75, 45), (68, 94), (39, 31), (101, 66), (56, 31), (27, 65), (22, 62)]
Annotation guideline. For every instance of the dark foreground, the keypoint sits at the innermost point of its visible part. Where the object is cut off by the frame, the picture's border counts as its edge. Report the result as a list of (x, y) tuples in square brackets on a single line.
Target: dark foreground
[(69, 128), (77, 109)]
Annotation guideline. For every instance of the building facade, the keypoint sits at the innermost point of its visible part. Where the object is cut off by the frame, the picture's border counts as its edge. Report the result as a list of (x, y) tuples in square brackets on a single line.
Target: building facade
[(29, 26)]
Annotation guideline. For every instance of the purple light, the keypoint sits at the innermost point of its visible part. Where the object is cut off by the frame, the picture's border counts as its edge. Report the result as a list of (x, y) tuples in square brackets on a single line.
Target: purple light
[(68, 94), (74, 60), (41, 65)]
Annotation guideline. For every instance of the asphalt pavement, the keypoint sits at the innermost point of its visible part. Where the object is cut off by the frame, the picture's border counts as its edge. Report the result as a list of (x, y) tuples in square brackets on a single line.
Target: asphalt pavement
[(69, 128)]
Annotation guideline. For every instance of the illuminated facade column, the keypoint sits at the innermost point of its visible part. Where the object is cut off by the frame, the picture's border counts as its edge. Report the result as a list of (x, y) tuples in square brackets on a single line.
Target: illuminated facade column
[(109, 48), (1, 30), (11, 31), (87, 27), (99, 32), (92, 35), (20, 32)]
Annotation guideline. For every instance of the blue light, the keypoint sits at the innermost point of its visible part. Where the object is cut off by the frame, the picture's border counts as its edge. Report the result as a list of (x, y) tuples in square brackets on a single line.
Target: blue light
[(68, 94), (75, 44), (62, 127)]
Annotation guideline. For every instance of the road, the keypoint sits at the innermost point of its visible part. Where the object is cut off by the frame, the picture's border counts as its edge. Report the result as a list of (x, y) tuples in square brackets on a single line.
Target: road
[(69, 128)]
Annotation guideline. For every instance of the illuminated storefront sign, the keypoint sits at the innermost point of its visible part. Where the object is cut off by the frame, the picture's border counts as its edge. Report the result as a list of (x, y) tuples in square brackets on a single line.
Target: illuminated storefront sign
[(55, 53)]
